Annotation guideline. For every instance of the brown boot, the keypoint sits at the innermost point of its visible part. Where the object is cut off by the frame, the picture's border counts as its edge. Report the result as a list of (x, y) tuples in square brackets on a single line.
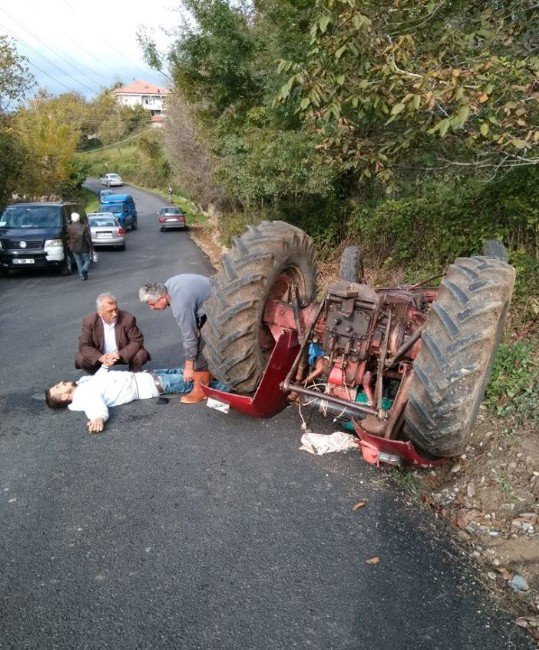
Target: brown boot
[(197, 394)]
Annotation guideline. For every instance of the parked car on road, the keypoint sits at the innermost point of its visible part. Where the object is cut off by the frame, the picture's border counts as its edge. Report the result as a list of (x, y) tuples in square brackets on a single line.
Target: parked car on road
[(106, 230), (171, 217), (103, 193), (33, 235), (123, 207), (112, 180)]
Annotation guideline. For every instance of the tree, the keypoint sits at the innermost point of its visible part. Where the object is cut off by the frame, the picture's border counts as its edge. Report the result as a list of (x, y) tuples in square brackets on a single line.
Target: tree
[(15, 81), (190, 154), (225, 135), (387, 82), (211, 62), (50, 142), (15, 77), (12, 159)]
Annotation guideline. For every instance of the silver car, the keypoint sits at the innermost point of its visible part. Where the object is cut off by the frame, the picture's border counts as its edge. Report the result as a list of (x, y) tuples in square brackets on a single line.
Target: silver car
[(106, 230), (112, 180)]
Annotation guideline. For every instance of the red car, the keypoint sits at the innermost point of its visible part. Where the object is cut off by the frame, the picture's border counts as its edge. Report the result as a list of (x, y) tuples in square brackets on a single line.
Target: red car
[(171, 217)]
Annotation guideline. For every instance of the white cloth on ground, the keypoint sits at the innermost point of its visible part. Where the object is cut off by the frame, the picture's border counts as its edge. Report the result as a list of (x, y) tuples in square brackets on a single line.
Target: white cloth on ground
[(321, 443)]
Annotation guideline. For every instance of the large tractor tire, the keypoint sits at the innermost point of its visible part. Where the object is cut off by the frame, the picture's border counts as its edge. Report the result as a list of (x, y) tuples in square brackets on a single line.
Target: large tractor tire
[(459, 344), (352, 264), (262, 264)]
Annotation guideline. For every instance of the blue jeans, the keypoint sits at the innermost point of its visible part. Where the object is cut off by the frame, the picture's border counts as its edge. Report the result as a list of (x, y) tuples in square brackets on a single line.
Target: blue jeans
[(83, 261), (171, 379)]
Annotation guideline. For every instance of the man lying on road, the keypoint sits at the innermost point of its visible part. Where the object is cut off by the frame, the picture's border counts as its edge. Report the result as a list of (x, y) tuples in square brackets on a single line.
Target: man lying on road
[(95, 394)]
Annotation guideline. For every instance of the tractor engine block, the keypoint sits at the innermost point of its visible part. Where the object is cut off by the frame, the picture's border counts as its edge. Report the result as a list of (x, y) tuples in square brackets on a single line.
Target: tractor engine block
[(349, 314), (353, 328)]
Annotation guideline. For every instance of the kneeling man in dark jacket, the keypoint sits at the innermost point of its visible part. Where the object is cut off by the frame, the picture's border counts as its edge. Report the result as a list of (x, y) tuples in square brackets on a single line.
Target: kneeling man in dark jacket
[(110, 336)]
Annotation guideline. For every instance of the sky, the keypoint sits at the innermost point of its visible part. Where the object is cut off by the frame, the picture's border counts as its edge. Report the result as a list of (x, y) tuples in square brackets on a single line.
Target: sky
[(86, 46)]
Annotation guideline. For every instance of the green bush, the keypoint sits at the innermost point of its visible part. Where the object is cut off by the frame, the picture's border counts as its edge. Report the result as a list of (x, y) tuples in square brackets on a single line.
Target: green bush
[(444, 221), (525, 305), (140, 162), (513, 389)]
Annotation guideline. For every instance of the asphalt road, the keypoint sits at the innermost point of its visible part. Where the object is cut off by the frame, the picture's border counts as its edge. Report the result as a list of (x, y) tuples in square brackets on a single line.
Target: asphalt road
[(182, 527)]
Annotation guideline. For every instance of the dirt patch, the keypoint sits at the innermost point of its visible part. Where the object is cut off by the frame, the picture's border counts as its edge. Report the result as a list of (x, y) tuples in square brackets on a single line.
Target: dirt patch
[(490, 494), (205, 237)]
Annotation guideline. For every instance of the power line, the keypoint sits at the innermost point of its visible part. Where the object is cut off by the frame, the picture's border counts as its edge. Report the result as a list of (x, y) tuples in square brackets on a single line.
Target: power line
[(80, 83), (111, 45), (55, 52), (115, 144), (70, 63)]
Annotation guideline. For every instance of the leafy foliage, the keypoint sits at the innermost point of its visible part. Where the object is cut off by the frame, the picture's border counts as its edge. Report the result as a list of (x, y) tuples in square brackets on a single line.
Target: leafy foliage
[(384, 78), (443, 220), (514, 385), (15, 82), (140, 160), (50, 142), (211, 63), (15, 77), (12, 159)]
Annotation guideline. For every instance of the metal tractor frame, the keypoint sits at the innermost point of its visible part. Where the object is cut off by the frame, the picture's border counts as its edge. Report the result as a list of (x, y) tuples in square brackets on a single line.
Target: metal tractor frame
[(407, 366)]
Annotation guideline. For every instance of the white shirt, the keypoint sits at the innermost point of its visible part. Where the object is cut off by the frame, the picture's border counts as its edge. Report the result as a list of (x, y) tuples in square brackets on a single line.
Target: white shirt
[(110, 338), (96, 393)]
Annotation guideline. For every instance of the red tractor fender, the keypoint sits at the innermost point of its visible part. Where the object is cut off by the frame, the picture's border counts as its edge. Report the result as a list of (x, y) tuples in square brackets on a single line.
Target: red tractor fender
[(268, 399)]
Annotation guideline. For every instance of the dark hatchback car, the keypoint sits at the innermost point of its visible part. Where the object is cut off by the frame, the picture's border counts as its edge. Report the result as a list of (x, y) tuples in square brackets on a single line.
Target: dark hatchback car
[(171, 217), (33, 235)]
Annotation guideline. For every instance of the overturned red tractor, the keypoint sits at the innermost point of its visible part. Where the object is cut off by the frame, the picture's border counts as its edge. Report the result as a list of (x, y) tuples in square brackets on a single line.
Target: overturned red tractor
[(407, 366)]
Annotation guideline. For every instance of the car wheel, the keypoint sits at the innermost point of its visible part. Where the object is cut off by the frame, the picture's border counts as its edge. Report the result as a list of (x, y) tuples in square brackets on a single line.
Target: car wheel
[(121, 247), (134, 225)]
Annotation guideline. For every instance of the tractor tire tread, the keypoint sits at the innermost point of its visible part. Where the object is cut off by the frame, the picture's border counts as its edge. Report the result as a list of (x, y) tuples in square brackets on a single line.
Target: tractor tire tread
[(239, 293), (459, 343)]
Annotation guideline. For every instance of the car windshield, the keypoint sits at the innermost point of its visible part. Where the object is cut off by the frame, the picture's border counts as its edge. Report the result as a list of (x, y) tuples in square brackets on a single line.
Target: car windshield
[(31, 216), (96, 222), (111, 207), (171, 211), (113, 177)]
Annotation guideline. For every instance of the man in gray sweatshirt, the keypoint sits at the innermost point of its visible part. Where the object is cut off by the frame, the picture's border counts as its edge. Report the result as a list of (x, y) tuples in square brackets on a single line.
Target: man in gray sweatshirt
[(185, 294)]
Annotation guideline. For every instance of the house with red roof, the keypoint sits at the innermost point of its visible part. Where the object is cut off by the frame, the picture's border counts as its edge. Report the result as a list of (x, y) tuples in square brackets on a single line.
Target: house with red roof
[(142, 93)]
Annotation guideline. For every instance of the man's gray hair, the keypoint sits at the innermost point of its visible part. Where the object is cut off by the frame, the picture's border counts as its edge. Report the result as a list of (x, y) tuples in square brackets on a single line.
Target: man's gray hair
[(152, 291), (101, 297)]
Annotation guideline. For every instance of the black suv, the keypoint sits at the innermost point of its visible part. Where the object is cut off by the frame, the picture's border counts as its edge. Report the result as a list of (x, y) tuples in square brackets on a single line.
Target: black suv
[(34, 235)]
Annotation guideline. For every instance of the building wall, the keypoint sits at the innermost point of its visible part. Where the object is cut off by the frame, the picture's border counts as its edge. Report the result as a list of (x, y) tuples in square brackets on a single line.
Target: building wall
[(153, 103)]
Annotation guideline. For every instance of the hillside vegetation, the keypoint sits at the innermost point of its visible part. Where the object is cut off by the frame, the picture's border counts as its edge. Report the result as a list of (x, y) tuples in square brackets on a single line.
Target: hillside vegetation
[(408, 128)]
